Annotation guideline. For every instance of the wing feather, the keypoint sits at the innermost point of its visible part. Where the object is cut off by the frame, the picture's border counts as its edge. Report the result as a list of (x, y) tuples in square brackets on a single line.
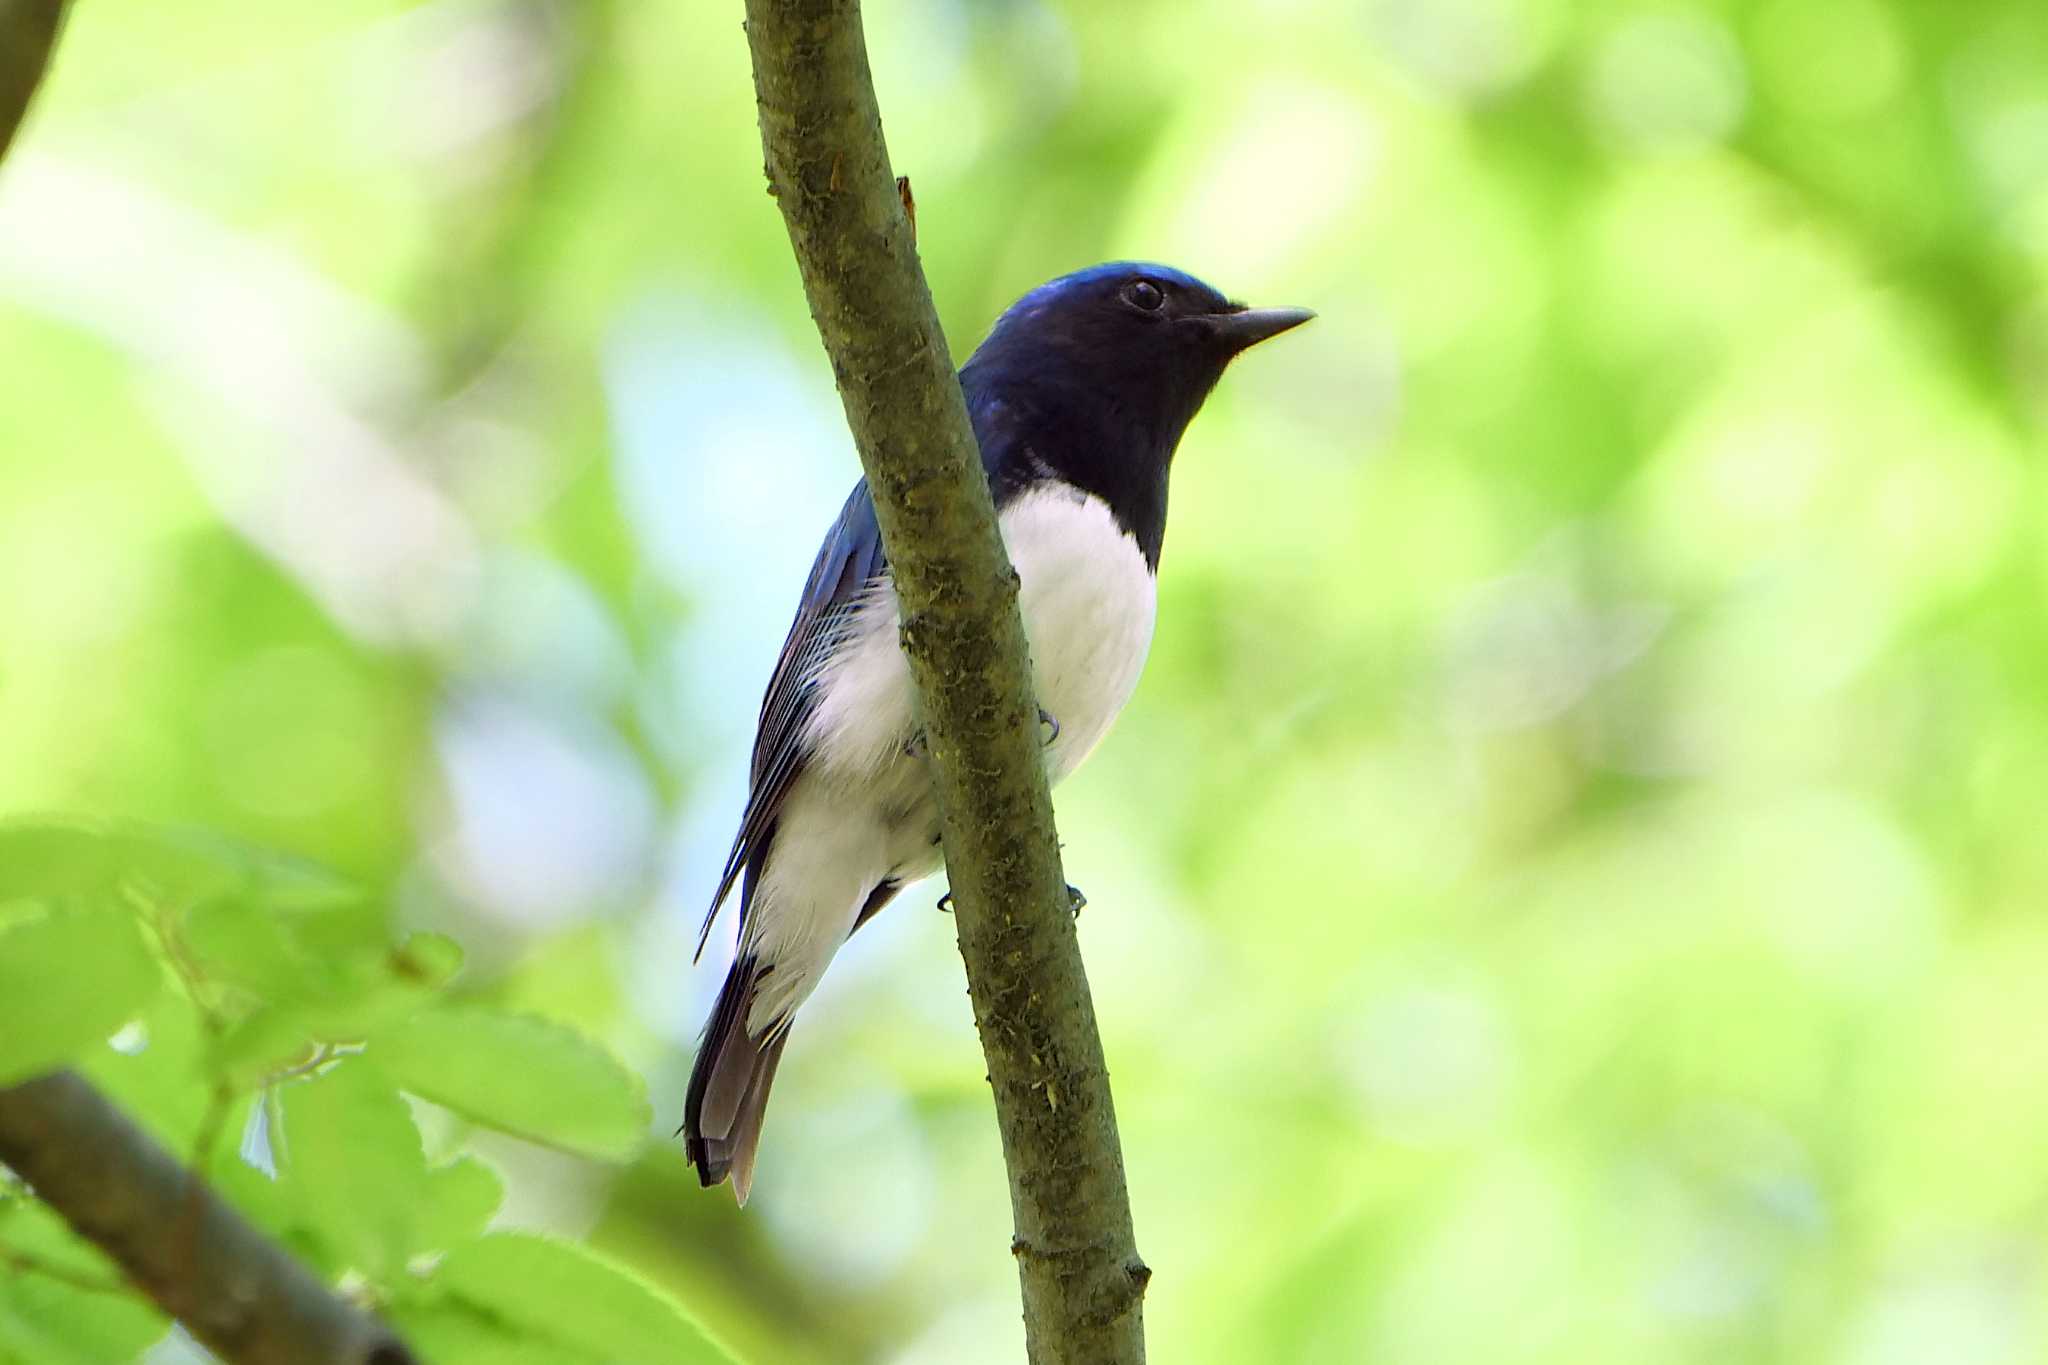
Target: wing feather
[(847, 562)]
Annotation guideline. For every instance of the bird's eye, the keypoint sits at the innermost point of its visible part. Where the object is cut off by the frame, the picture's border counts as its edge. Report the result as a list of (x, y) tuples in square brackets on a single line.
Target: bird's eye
[(1144, 294)]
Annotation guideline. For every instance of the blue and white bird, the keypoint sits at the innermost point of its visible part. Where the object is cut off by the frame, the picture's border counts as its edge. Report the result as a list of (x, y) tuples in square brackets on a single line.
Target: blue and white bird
[(1078, 398)]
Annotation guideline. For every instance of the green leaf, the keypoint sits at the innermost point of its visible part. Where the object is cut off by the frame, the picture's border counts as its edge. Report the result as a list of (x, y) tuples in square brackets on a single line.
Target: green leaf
[(522, 1075), (579, 1304), (461, 1197), (158, 1079), (66, 856), (237, 941), (67, 981), (73, 859), (297, 991), (350, 1156), (453, 1333)]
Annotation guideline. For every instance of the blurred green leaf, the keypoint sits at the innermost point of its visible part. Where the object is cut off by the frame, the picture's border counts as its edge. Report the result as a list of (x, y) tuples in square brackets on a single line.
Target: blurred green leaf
[(49, 1313), (158, 1075), (523, 1075), (549, 1293), (239, 941), (65, 857), (68, 980), (305, 991), (454, 1333), (58, 859), (461, 1197), (350, 1156)]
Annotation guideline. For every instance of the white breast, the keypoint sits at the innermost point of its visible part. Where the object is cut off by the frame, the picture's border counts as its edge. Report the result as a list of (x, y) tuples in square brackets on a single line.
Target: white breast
[(862, 811), (1088, 600)]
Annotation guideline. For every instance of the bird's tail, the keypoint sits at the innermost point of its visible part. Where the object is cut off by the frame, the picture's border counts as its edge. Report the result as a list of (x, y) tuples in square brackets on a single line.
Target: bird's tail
[(729, 1084)]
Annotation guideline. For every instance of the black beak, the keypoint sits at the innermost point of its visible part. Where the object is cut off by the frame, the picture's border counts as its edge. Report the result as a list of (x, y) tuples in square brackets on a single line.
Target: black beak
[(1250, 326)]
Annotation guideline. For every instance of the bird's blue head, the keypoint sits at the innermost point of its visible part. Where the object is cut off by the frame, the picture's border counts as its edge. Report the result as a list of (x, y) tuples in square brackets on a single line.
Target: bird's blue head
[(1140, 326), (1101, 371)]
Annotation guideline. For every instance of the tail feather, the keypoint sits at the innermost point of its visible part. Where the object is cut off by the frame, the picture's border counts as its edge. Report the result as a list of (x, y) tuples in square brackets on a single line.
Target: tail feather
[(728, 1095)]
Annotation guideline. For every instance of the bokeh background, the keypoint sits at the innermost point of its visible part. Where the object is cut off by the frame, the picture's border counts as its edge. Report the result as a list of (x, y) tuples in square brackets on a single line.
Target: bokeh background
[(1571, 884)]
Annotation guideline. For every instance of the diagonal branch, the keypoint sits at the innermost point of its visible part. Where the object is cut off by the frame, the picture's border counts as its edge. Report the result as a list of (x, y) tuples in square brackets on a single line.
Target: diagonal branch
[(177, 1241), (829, 172)]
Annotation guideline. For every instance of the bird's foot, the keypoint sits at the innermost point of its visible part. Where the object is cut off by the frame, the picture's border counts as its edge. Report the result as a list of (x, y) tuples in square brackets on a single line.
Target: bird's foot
[(1077, 901), (1052, 727), (915, 746)]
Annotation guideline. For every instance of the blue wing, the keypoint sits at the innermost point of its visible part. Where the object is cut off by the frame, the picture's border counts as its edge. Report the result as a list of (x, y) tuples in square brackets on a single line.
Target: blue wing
[(848, 560)]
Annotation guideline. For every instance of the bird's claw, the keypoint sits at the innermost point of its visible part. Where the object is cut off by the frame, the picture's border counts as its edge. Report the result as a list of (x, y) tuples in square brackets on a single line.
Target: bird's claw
[(916, 747), (1077, 901)]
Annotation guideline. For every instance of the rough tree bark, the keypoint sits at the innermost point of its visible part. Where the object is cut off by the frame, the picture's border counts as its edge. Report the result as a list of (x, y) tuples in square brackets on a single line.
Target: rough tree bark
[(178, 1242), (829, 171)]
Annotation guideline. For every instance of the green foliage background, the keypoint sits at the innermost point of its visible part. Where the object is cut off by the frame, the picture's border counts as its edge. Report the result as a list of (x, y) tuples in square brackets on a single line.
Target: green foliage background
[(1569, 887)]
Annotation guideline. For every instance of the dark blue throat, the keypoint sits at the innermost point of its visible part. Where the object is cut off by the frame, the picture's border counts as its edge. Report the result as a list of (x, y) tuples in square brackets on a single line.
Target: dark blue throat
[(1108, 433)]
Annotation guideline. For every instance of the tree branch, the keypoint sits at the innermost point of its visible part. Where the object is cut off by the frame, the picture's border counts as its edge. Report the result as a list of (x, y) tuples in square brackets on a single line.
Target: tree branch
[(178, 1242), (28, 31), (196, 1257), (829, 171)]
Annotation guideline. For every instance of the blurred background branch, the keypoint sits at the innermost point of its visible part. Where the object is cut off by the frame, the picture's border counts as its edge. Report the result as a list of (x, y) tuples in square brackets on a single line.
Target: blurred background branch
[(28, 34), (174, 1237)]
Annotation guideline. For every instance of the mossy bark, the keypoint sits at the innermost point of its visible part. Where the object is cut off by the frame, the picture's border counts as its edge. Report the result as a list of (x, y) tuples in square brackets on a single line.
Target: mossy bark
[(829, 172)]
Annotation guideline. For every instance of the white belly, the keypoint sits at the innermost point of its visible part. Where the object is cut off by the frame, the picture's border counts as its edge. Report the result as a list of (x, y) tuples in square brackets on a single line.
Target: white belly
[(1088, 601), (862, 811)]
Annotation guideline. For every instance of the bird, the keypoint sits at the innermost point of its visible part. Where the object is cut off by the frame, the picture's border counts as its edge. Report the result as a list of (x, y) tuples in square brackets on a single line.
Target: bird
[(1078, 398)]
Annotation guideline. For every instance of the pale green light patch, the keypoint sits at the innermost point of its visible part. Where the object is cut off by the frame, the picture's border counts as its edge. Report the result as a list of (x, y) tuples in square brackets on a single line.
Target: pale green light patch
[(1322, 184), (2028, 346), (1995, 100), (1705, 250), (2011, 143), (288, 734), (1290, 161), (2026, 226), (1430, 1060), (1838, 438), (1836, 885), (1667, 82), (1973, 1094), (1942, 511), (1735, 486), (1509, 1238), (1866, 60), (1467, 48), (1958, 1318)]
